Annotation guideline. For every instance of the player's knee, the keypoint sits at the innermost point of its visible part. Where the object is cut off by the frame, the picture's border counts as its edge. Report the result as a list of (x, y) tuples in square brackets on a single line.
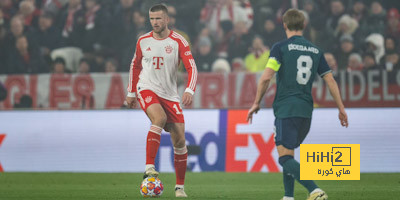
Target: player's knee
[(160, 120), (180, 142), (284, 158)]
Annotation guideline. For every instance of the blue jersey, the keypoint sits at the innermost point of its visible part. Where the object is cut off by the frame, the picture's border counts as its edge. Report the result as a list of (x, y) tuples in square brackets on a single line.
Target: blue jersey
[(296, 61)]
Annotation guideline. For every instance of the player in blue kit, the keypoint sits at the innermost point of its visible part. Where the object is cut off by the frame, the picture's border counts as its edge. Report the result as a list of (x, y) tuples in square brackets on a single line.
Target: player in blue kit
[(296, 62)]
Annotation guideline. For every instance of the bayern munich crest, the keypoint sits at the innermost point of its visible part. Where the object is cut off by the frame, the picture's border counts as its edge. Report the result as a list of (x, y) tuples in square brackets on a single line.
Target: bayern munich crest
[(168, 49), (148, 99)]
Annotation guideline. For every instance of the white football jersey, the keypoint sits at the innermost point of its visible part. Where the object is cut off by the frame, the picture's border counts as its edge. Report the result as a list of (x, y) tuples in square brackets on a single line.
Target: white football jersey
[(155, 66)]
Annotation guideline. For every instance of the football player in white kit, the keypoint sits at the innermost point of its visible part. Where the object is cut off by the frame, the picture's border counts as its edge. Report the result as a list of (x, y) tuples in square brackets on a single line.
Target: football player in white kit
[(152, 82)]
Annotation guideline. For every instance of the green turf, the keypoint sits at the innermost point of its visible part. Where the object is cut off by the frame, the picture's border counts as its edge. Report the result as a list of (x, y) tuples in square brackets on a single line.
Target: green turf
[(71, 186)]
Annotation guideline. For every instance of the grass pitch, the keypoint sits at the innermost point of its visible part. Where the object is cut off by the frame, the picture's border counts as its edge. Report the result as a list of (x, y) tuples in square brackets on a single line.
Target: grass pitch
[(213, 185)]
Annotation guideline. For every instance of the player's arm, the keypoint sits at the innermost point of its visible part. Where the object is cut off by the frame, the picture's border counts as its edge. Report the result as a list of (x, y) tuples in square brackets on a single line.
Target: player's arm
[(334, 90), (186, 56), (326, 73), (273, 66), (135, 69)]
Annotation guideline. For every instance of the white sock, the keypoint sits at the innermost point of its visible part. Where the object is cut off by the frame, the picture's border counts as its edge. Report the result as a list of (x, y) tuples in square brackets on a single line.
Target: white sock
[(288, 198), (179, 186), (148, 167), (316, 190)]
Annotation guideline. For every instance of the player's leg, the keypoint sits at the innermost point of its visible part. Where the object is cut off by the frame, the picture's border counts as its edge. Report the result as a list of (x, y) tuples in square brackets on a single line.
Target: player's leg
[(151, 105), (176, 126), (289, 134), (177, 131)]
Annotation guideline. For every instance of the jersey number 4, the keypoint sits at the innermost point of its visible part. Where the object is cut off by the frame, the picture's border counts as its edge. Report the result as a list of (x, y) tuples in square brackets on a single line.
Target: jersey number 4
[(304, 65)]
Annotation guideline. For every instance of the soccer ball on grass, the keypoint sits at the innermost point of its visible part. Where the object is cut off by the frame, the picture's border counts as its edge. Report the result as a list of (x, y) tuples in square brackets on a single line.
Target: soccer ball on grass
[(151, 187)]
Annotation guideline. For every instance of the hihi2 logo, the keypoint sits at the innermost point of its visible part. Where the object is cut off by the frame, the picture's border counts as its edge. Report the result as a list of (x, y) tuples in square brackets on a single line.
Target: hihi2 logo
[(330, 162)]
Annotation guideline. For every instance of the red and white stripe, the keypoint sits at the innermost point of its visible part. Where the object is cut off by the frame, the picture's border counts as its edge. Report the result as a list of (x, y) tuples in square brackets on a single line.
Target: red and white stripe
[(180, 151), (130, 85), (181, 38), (155, 129), (193, 78)]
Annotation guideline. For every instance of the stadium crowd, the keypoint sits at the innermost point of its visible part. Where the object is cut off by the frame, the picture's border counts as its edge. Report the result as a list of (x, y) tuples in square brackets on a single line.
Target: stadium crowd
[(83, 36)]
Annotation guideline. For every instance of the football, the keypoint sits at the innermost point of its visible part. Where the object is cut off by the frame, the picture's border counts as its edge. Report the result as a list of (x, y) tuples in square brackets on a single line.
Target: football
[(151, 187)]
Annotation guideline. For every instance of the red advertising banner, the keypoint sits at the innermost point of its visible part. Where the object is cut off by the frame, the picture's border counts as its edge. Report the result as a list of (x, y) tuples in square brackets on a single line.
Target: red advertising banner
[(234, 90)]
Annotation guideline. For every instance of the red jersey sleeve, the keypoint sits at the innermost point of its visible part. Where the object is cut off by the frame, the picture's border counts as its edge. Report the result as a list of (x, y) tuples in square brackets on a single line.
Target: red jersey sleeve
[(186, 56), (135, 69)]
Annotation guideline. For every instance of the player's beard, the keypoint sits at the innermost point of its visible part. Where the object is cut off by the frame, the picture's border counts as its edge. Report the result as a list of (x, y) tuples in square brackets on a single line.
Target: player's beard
[(160, 30)]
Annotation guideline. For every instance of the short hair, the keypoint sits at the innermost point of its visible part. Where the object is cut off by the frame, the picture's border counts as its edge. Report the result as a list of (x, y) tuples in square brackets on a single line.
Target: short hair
[(294, 20), (59, 60), (159, 7)]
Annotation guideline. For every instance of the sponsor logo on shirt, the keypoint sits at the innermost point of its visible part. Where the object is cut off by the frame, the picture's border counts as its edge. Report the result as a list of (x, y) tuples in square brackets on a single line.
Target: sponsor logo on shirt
[(148, 49)]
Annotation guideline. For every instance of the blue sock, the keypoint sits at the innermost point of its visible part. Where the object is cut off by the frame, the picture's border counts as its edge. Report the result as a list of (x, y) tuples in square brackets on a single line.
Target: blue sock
[(293, 167), (288, 183)]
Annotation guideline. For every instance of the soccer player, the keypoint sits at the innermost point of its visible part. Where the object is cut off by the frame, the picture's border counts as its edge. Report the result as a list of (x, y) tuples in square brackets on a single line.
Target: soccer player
[(152, 81), (296, 62)]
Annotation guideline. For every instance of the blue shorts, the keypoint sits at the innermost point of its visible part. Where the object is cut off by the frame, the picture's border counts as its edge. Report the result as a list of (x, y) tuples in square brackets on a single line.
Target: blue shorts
[(291, 132)]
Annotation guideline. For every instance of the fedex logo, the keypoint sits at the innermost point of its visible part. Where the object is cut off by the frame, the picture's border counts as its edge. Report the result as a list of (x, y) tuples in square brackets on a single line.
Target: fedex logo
[(2, 136), (234, 146), (253, 150), (211, 141)]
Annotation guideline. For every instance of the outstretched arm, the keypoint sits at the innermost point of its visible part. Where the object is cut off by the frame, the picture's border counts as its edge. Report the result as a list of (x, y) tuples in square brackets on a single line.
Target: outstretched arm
[(334, 90), (262, 87)]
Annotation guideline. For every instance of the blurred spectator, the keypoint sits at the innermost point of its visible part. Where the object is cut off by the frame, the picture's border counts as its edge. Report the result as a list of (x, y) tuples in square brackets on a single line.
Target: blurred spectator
[(238, 65), (346, 26), (204, 57), (172, 22), (216, 11), (337, 9), (96, 27), (3, 44), (123, 32), (53, 6), (375, 22), (355, 62), (3, 92), (8, 9), (369, 62), (325, 38), (331, 60), (257, 59), (59, 66), (393, 24), (271, 33), (346, 48), (17, 29), (29, 13), (84, 66), (110, 65), (240, 41), (317, 19), (71, 55), (24, 102), (375, 44), (139, 19), (359, 11), (25, 59), (390, 44), (392, 61), (47, 35), (221, 65), (72, 21)]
